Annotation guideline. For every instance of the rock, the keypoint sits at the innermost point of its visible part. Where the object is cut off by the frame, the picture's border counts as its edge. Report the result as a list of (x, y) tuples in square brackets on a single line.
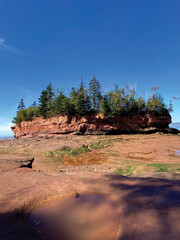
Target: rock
[(170, 130), (14, 164), (77, 195), (90, 124)]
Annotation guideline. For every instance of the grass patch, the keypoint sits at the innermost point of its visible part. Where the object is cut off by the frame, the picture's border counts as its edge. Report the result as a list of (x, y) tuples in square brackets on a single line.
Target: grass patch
[(77, 151), (173, 168), (99, 145), (58, 154), (160, 167), (104, 143), (128, 171)]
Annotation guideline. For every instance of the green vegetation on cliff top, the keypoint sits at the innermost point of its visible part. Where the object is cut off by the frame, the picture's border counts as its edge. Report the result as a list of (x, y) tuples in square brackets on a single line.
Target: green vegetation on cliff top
[(123, 102)]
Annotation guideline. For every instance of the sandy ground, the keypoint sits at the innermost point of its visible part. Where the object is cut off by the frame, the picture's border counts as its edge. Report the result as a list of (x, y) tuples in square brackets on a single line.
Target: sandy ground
[(136, 152), (146, 205)]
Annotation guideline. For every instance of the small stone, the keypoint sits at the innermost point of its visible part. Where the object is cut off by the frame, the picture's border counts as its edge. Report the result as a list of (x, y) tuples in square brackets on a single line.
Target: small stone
[(77, 195)]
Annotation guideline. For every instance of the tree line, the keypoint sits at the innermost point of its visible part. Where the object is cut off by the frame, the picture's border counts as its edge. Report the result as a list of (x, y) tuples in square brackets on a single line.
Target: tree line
[(82, 101)]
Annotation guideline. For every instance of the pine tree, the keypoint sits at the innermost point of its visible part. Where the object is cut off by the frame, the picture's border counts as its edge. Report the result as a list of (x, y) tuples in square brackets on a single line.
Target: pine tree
[(43, 100), (95, 93), (80, 101), (33, 104), (50, 92), (62, 104), (104, 106), (83, 104), (115, 100), (50, 97), (21, 105)]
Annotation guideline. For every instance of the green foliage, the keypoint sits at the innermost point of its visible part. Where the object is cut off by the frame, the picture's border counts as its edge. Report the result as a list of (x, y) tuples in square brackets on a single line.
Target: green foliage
[(104, 143), (62, 104), (123, 102), (142, 109), (160, 167), (50, 92), (58, 154), (80, 101), (128, 171), (46, 102), (26, 115), (95, 93), (155, 104), (33, 104), (43, 100), (21, 105), (104, 106), (99, 145), (116, 101), (77, 151)]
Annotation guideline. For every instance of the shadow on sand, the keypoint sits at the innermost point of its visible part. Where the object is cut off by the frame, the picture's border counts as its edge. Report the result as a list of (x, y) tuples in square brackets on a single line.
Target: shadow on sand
[(151, 207), (150, 210)]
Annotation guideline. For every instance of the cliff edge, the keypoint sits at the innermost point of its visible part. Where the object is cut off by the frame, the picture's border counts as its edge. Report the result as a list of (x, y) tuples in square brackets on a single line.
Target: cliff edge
[(91, 124)]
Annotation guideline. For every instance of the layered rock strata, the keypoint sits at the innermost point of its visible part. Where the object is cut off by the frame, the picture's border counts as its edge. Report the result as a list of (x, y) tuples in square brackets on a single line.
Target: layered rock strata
[(91, 124)]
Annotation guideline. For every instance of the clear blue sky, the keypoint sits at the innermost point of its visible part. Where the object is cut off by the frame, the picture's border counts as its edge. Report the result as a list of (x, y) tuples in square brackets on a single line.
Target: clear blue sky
[(60, 41)]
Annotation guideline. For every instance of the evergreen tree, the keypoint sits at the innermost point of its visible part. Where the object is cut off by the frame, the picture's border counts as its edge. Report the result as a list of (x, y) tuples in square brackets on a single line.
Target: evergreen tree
[(83, 104), (104, 107), (115, 101), (43, 107), (50, 92), (73, 99), (47, 102), (95, 93), (51, 100), (80, 101), (21, 105), (33, 104), (62, 104)]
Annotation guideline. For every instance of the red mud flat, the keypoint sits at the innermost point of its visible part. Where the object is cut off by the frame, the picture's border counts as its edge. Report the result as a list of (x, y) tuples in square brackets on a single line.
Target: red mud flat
[(84, 216), (113, 207), (83, 204)]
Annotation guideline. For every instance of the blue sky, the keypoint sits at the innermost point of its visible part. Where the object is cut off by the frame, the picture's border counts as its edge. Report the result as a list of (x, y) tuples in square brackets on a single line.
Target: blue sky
[(60, 41)]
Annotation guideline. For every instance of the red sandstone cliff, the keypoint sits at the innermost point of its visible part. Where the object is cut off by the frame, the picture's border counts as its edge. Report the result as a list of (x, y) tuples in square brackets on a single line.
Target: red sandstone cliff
[(90, 124)]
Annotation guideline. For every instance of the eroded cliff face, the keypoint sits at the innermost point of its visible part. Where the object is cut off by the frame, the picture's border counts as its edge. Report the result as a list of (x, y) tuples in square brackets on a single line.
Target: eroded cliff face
[(90, 124)]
